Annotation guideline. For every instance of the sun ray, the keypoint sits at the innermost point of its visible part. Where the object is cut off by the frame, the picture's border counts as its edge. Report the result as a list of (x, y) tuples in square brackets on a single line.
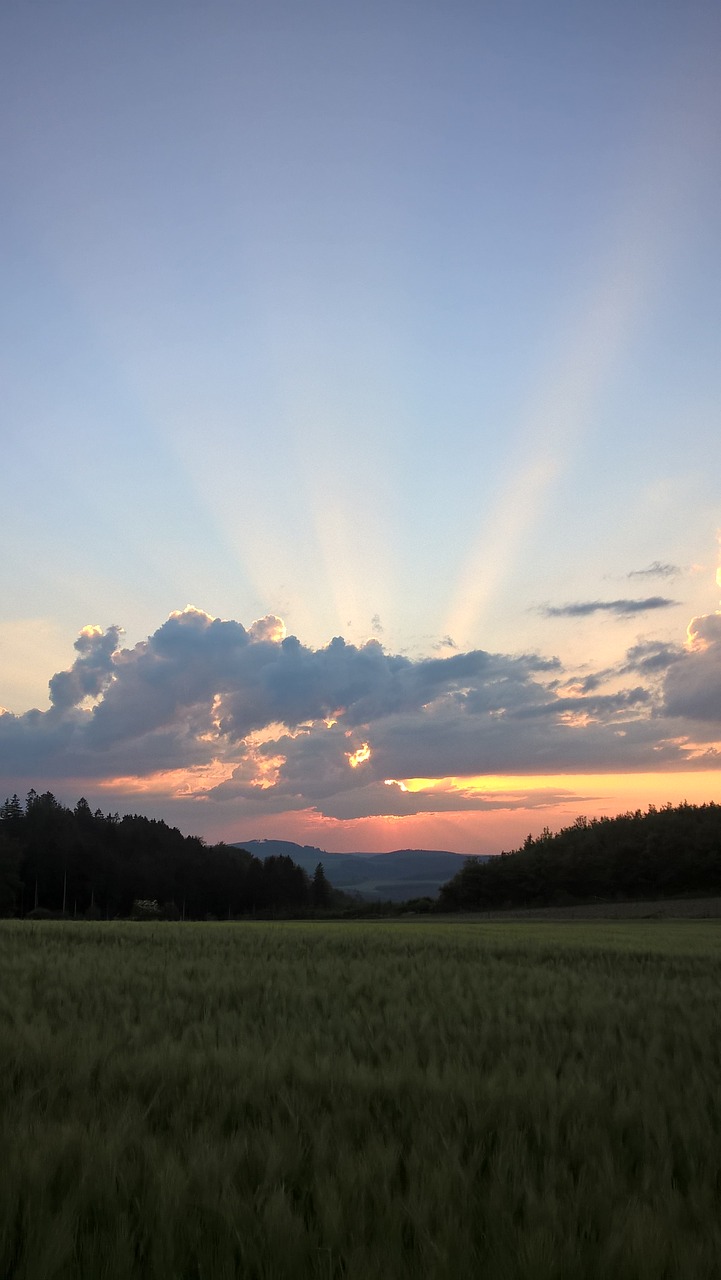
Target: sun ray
[(649, 227)]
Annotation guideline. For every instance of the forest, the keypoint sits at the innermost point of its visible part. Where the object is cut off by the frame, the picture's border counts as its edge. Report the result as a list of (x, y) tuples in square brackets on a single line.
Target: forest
[(79, 863), (76, 862), (670, 852)]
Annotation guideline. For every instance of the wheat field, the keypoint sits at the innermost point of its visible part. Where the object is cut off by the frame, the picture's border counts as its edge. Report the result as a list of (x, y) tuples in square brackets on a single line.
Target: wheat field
[(351, 1100)]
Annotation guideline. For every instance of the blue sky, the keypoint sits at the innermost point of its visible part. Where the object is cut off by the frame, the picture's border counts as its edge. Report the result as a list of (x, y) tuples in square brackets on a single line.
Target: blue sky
[(398, 323)]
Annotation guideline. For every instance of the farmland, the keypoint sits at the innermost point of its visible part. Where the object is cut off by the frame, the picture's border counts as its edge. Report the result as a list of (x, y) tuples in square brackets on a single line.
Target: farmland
[(351, 1100)]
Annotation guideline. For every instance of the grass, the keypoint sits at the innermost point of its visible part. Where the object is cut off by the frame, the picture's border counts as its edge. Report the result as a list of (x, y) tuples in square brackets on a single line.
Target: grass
[(360, 1100)]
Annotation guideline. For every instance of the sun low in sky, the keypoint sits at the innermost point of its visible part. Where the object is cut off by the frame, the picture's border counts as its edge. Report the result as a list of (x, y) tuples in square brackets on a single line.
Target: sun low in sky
[(394, 328)]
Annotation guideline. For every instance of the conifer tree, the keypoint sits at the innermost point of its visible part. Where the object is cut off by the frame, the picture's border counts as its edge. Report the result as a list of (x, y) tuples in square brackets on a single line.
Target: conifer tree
[(320, 890)]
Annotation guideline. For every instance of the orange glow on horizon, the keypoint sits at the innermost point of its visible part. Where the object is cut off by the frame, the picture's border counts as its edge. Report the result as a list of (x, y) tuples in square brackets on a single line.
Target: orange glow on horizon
[(470, 831), (523, 804)]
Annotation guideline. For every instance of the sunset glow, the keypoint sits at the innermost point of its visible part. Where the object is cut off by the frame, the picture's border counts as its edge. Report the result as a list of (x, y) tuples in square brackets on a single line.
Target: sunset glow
[(193, 783)]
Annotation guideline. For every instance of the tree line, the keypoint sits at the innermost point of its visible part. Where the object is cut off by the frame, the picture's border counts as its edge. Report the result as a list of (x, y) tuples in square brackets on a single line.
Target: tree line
[(76, 862), (673, 851)]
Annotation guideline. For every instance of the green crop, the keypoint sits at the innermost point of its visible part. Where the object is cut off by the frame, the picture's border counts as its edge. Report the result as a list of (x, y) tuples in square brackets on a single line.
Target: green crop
[(362, 1101)]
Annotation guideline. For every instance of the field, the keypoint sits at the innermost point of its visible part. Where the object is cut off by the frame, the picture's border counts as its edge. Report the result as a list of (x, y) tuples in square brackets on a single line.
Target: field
[(360, 1100), (656, 909)]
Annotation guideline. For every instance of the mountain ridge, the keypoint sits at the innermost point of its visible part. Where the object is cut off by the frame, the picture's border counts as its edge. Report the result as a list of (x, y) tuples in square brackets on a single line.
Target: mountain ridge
[(397, 875)]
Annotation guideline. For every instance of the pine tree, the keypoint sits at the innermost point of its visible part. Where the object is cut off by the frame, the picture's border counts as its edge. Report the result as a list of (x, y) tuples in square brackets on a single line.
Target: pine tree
[(320, 889), (12, 814)]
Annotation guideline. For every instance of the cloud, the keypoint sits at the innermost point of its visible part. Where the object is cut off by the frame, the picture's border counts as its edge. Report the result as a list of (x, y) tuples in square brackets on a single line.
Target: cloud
[(692, 687), (447, 742), (590, 706), (91, 672), (656, 570), (208, 708), (621, 608), (650, 657), (388, 800)]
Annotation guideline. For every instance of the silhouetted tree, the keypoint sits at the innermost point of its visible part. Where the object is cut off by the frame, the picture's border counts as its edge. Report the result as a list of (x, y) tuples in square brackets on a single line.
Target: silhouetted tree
[(98, 865), (10, 880), (11, 816), (664, 852), (320, 889)]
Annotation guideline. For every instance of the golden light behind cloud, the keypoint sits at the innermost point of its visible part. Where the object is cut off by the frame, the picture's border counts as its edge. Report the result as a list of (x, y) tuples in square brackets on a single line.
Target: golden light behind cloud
[(188, 783)]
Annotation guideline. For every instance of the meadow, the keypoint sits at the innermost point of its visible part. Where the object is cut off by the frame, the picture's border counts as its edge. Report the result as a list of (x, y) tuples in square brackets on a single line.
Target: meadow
[(356, 1100)]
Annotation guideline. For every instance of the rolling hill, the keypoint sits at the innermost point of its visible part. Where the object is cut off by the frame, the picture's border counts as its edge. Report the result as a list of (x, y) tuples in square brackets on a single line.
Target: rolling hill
[(402, 874)]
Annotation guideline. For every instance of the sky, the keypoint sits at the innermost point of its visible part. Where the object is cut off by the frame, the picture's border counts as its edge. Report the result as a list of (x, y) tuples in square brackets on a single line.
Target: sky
[(361, 391)]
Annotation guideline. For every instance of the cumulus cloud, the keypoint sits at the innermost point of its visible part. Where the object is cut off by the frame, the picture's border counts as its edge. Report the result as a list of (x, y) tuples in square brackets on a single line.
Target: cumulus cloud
[(92, 670), (621, 608), (252, 715)]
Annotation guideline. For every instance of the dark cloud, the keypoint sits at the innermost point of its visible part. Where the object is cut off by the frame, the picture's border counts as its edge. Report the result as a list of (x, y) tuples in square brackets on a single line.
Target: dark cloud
[(91, 672), (692, 687), (656, 570), (621, 608), (651, 657), (602, 705), (498, 744), (280, 726)]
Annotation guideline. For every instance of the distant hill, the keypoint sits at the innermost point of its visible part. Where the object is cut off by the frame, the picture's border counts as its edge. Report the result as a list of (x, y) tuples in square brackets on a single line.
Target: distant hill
[(396, 876)]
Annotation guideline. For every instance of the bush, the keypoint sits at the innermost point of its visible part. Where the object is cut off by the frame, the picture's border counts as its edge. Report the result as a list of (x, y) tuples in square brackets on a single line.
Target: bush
[(145, 909)]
